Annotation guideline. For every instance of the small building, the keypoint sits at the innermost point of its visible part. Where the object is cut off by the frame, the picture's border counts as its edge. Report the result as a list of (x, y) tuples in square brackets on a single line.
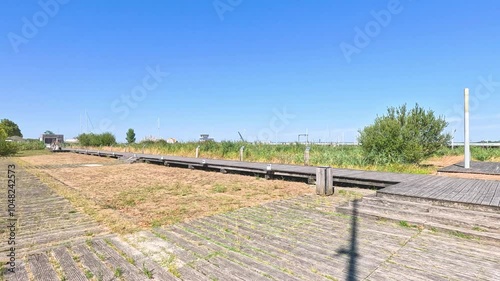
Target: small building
[(171, 140), (49, 139), (15, 139), (205, 137)]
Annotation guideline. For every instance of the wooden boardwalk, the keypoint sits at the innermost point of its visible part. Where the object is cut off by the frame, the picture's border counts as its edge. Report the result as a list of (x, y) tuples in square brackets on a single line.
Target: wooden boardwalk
[(486, 168), (468, 192), (303, 238)]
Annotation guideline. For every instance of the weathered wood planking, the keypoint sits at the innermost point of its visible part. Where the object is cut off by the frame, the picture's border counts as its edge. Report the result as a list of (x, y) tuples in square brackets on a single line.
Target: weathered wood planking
[(487, 168)]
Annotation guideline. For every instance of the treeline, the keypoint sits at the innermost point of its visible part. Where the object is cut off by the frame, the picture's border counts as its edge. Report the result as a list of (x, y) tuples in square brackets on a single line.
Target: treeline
[(104, 139)]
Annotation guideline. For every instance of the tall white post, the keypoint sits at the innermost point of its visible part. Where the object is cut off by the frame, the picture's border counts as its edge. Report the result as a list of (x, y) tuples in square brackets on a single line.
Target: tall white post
[(466, 130)]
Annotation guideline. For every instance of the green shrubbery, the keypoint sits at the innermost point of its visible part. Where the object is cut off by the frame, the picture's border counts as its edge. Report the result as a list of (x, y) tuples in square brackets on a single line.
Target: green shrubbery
[(403, 136), (6, 147), (104, 139), (31, 145)]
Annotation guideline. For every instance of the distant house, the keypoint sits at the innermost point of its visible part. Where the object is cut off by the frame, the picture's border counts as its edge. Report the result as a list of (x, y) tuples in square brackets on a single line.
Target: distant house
[(204, 137), (15, 139), (49, 139), (71, 141), (171, 140)]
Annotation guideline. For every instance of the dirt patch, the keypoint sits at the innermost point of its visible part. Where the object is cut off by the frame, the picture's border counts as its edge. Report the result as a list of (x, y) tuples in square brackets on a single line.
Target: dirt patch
[(444, 161), (66, 158), (150, 195)]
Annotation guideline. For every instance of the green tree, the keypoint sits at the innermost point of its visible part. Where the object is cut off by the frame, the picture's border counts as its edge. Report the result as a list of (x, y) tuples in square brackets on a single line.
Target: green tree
[(130, 136), (48, 132), (404, 136), (10, 128), (107, 139), (104, 139)]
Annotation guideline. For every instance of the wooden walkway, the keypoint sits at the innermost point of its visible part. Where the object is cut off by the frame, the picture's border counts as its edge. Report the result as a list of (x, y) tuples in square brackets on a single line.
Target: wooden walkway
[(486, 168), (298, 239), (470, 192)]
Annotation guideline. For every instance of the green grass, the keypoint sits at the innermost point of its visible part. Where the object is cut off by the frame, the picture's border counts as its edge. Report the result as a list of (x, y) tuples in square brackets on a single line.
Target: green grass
[(320, 155), (24, 153), (461, 235), (406, 224), (118, 272), (147, 272), (88, 274), (219, 188), (477, 228)]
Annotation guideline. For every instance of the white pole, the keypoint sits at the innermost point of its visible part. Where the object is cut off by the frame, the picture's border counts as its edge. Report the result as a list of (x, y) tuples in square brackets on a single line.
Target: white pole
[(466, 130)]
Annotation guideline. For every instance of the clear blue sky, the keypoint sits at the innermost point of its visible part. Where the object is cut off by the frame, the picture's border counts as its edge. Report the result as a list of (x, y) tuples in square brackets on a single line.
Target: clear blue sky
[(237, 65)]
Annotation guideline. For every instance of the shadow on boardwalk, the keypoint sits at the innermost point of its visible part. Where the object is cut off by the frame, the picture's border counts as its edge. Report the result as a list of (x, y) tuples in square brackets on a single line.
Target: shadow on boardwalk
[(352, 251)]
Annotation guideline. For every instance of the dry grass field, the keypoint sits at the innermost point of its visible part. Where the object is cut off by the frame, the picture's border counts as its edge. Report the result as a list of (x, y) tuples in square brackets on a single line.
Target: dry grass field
[(66, 159), (127, 197)]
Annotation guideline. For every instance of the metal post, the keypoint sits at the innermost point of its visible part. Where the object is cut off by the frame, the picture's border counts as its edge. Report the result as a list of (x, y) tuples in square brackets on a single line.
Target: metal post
[(197, 151), (466, 130), (241, 152)]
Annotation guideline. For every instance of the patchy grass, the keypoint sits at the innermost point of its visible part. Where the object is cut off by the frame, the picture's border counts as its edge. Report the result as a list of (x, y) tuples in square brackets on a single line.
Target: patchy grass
[(26, 153), (461, 235), (130, 197), (477, 228), (148, 272), (118, 272), (407, 225), (350, 194), (218, 188)]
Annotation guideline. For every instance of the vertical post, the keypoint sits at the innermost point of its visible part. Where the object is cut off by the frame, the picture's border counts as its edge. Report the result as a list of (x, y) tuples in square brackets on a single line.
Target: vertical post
[(466, 130), (306, 156), (324, 181), (269, 172), (241, 152), (197, 151)]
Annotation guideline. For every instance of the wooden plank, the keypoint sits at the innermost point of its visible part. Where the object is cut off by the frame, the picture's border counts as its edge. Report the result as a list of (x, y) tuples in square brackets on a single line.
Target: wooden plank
[(70, 269), (453, 188), (469, 195), (495, 201), (41, 268), (20, 273), (478, 198), (423, 187), (92, 263), (469, 198), (443, 187), (466, 187), (489, 194), (116, 261)]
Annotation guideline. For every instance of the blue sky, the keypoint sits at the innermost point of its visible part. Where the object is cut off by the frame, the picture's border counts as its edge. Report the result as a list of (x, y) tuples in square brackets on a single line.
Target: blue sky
[(269, 69)]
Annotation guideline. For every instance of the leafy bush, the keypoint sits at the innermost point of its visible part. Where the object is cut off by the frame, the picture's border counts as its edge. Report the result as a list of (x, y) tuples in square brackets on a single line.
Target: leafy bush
[(104, 139), (403, 136), (6, 147), (31, 145)]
